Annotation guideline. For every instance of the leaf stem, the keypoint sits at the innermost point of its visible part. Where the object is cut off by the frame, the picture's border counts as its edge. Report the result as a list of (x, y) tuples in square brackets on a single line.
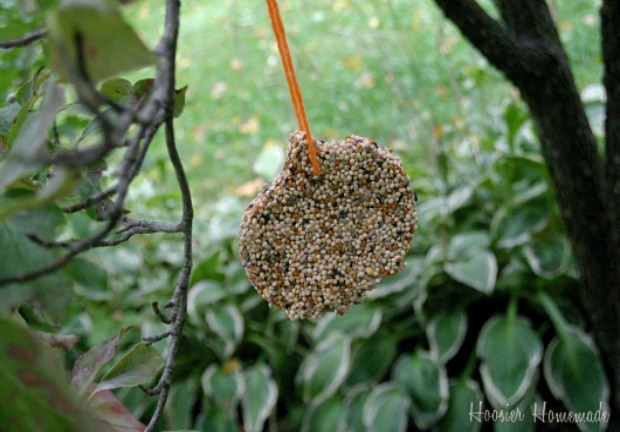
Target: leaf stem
[(558, 320), (512, 307)]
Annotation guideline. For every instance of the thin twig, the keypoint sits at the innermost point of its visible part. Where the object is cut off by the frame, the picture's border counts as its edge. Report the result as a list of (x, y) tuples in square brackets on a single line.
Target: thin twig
[(25, 40), (132, 161), (162, 316), (167, 49), (145, 227), (90, 201), (157, 337)]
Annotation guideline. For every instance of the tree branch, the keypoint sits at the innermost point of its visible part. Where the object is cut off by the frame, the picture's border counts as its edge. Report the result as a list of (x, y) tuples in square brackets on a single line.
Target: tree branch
[(508, 53), (24, 40), (610, 32), (167, 48), (90, 201), (132, 161)]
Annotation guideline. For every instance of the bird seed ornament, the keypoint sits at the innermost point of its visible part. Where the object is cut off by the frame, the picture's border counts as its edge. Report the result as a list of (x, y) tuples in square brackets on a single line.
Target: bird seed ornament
[(318, 243)]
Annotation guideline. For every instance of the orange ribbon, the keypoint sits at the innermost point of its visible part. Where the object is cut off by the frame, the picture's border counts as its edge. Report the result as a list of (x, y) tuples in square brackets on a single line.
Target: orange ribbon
[(291, 78)]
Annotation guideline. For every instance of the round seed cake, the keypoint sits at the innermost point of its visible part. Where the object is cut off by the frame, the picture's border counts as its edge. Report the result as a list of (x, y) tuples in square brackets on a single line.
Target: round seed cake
[(313, 244)]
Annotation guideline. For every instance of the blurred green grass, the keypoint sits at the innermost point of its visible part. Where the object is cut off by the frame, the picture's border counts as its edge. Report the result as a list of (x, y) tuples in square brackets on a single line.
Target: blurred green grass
[(393, 70)]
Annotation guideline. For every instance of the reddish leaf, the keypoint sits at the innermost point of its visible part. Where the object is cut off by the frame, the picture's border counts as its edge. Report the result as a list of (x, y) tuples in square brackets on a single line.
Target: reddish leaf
[(113, 414), (35, 394), (88, 364)]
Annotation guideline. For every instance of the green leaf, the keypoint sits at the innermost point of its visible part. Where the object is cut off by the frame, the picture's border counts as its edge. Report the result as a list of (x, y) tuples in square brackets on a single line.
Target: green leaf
[(202, 295), (138, 366), (360, 322), (468, 244), (179, 410), (478, 272), (325, 416), (118, 90), (31, 139), (574, 372), (514, 225), (223, 384), (322, 372), (372, 358), (34, 391), (465, 399), (458, 198), (217, 419), (515, 118), (58, 186), (95, 31), (91, 279), (269, 161), (45, 222), (405, 279), (7, 116), (386, 409), (548, 258), (446, 333), (94, 127), (209, 268), (426, 383), (260, 397), (110, 411), (50, 291), (355, 399), (88, 364), (179, 101), (519, 418), (226, 321), (142, 92), (510, 352)]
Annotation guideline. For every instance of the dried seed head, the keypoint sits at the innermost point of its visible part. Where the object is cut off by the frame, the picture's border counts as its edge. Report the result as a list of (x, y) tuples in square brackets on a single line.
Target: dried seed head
[(313, 244)]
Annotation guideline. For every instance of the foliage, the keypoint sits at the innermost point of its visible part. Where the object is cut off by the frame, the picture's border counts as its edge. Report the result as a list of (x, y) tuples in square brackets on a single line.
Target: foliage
[(485, 314), (448, 331)]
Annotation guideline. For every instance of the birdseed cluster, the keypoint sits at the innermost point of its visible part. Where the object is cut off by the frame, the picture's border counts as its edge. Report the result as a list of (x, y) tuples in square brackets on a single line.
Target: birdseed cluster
[(313, 244)]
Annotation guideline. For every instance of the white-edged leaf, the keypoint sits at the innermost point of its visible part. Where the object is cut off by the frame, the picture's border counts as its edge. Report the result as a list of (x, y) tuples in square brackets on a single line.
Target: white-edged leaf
[(386, 409), (513, 226), (446, 333), (201, 295), (459, 197), (397, 283), (466, 244), (327, 415), (322, 372), (214, 418), (227, 322), (464, 402), (574, 372), (478, 272), (223, 384), (372, 358), (510, 351), (261, 395), (519, 418), (355, 398), (548, 258), (426, 383), (360, 322)]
